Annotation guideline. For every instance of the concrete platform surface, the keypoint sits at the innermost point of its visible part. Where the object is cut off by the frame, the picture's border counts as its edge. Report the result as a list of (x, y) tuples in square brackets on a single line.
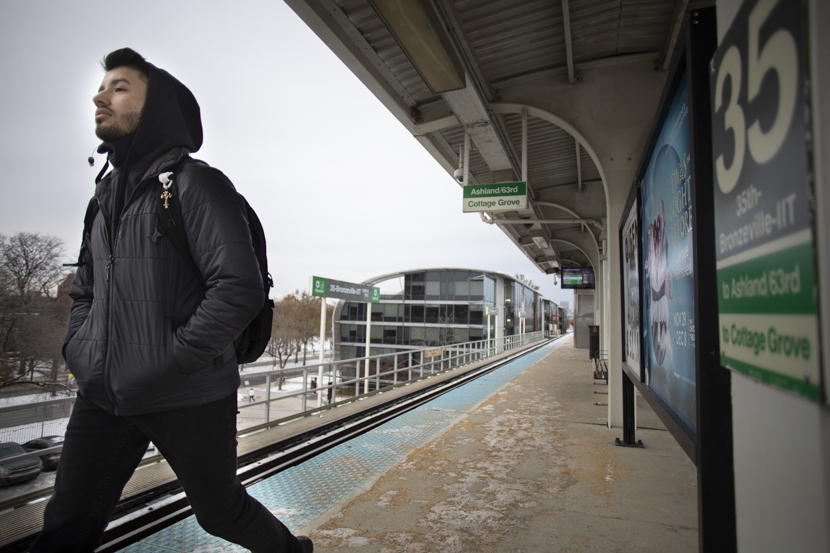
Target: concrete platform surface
[(532, 468)]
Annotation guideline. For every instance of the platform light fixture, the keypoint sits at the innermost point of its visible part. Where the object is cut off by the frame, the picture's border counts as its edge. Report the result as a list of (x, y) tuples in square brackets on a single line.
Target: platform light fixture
[(417, 28)]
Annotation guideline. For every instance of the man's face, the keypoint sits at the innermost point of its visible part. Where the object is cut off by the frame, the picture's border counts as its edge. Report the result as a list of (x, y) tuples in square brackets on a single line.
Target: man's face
[(118, 103)]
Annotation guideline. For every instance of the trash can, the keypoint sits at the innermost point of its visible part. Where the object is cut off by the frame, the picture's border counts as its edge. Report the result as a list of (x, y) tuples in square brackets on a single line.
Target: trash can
[(593, 341)]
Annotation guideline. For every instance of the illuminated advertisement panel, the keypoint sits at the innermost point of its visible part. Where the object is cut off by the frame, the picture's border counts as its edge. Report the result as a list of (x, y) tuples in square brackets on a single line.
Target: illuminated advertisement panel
[(631, 291), (667, 260)]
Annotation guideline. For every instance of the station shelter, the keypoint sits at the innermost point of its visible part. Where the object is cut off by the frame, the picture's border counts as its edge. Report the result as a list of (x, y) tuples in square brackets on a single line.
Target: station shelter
[(678, 149)]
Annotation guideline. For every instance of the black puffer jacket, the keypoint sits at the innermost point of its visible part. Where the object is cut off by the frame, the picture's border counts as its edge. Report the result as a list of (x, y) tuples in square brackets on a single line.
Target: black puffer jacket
[(147, 333)]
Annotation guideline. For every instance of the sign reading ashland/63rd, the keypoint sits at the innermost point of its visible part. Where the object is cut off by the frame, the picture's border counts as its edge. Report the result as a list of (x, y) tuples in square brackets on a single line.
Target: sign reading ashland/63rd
[(763, 218), (504, 196), (328, 288)]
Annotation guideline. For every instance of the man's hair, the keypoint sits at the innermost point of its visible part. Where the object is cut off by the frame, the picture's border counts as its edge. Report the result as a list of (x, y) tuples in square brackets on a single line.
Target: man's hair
[(127, 57)]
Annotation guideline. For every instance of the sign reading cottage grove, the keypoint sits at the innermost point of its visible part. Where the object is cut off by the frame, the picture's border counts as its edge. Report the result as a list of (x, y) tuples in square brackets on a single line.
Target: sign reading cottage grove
[(764, 237), (504, 196)]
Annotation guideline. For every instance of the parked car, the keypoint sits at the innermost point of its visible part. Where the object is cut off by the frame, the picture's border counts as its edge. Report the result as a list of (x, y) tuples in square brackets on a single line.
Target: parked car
[(12, 472), (50, 460)]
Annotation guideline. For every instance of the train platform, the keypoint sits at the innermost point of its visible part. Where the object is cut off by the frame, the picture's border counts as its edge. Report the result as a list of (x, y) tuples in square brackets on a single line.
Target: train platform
[(520, 460)]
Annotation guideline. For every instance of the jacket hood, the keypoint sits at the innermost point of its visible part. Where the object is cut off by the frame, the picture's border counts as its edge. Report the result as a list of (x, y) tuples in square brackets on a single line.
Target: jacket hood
[(170, 118)]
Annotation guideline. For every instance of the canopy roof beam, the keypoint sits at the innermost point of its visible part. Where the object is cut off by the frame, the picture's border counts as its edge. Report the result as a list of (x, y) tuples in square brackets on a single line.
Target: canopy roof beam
[(674, 32), (569, 52)]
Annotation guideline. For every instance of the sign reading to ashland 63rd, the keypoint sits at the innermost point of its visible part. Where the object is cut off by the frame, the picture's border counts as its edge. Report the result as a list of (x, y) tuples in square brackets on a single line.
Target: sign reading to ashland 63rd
[(504, 196), (768, 322), (328, 288)]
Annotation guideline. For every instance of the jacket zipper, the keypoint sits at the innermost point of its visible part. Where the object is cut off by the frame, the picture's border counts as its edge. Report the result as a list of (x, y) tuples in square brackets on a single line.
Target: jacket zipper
[(110, 262), (112, 231)]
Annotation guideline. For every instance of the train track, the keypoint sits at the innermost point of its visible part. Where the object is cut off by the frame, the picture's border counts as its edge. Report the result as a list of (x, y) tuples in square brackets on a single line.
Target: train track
[(159, 506)]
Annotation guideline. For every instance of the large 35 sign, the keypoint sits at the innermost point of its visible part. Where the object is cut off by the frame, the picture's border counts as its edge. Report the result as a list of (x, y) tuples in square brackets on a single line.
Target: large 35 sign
[(763, 218), (776, 58)]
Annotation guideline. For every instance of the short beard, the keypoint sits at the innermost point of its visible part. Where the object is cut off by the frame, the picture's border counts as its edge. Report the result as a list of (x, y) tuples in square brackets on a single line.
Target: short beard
[(126, 124)]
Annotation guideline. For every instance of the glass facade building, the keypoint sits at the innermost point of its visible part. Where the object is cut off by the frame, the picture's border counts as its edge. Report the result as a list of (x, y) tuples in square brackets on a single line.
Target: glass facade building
[(438, 307)]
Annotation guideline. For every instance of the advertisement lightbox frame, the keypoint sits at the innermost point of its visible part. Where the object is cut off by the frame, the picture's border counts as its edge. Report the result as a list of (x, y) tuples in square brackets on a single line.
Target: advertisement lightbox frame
[(709, 445)]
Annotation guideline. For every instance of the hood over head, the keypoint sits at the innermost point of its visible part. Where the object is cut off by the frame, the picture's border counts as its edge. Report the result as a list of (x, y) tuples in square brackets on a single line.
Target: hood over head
[(170, 118)]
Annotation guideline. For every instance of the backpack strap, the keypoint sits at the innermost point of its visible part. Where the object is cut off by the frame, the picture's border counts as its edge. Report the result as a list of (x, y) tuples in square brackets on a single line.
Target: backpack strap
[(171, 220), (92, 210)]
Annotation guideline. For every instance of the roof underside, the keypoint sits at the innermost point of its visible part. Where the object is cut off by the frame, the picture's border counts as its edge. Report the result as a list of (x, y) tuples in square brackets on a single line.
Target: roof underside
[(502, 44)]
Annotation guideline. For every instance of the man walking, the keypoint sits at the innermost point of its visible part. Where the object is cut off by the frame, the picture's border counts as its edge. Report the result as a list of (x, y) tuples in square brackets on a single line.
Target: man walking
[(150, 338)]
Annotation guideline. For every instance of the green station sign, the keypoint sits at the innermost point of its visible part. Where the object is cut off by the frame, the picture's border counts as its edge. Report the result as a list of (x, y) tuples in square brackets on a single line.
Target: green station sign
[(504, 196), (766, 282), (329, 288)]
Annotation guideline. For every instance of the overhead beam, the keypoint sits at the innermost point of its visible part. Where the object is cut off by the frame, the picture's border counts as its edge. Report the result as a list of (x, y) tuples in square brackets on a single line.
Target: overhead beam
[(431, 126), (611, 61), (472, 113), (524, 145), (472, 104), (674, 32), (546, 258), (566, 20), (332, 25), (547, 222), (585, 183)]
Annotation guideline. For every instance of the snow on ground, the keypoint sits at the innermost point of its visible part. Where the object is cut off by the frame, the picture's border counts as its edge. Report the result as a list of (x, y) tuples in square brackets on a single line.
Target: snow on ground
[(24, 433), (25, 399), (57, 427)]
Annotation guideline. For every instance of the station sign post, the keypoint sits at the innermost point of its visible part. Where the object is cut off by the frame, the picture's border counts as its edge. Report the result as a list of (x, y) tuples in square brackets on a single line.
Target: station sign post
[(487, 312), (329, 288)]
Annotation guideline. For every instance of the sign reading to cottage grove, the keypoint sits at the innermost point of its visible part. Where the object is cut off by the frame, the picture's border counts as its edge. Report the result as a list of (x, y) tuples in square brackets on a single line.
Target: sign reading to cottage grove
[(763, 217), (504, 196)]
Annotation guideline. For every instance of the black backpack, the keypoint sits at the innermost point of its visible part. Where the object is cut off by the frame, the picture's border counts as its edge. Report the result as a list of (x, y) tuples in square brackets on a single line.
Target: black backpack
[(253, 340)]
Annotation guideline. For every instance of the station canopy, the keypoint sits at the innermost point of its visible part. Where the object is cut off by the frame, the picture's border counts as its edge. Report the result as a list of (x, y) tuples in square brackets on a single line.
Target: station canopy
[(509, 71)]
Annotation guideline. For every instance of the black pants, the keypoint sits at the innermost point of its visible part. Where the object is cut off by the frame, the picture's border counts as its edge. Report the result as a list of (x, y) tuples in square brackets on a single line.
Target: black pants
[(101, 452)]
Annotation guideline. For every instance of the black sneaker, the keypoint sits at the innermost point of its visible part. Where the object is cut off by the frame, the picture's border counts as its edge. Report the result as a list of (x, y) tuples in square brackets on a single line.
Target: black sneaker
[(305, 541)]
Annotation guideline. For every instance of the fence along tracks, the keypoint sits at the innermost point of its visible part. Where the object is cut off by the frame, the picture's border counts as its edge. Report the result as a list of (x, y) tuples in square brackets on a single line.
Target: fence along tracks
[(136, 517)]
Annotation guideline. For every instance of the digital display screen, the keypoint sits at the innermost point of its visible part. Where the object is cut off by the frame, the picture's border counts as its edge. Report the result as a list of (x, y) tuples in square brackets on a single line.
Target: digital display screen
[(577, 278)]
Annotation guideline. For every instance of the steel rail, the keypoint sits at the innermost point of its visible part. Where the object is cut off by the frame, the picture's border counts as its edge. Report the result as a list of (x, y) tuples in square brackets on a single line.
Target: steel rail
[(142, 520)]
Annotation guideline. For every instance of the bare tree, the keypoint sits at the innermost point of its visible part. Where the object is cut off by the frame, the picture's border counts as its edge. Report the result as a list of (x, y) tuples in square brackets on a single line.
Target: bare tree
[(527, 282), (32, 263), (302, 312), (283, 337), (308, 320), (441, 335), (32, 320)]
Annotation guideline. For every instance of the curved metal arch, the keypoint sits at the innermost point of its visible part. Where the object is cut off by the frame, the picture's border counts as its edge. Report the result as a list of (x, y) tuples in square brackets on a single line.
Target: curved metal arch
[(398, 274), (565, 126), (559, 206), (577, 247), (571, 212)]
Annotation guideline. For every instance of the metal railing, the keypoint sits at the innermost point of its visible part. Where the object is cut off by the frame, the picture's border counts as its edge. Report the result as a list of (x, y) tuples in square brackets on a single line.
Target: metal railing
[(372, 374), (346, 378)]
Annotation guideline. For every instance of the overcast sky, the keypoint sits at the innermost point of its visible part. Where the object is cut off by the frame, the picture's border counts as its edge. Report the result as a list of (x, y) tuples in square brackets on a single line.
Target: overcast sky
[(343, 190)]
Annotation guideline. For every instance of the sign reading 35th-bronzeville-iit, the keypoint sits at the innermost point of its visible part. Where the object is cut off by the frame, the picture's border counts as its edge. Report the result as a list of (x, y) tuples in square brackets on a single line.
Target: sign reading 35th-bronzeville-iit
[(763, 216), (503, 196), (329, 288)]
